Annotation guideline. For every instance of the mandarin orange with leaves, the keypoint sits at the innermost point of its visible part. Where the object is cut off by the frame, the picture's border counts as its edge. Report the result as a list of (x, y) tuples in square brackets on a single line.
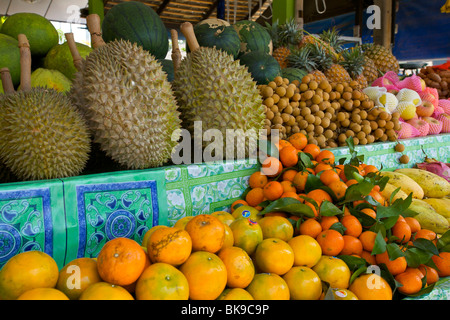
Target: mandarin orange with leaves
[(299, 180), (288, 186), (402, 231), (289, 156), (327, 221), (312, 149), (319, 196), (325, 156), (352, 225), (395, 266), (236, 204), (273, 190), (271, 167), (442, 262), (310, 227), (254, 197), (289, 175), (339, 188), (331, 242), (329, 176), (425, 234), (410, 282), (413, 224), (321, 167), (298, 140), (367, 239), (352, 246), (431, 273)]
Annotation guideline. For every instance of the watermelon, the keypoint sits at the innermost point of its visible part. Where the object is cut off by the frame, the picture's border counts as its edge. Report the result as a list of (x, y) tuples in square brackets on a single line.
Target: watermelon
[(262, 66), (59, 58), (253, 37), (138, 23), (219, 35), (167, 66), (10, 57), (40, 32), (293, 74)]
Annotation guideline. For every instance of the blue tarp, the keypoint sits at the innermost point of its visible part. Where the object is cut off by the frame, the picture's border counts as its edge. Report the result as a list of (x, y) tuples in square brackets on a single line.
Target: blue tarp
[(423, 31)]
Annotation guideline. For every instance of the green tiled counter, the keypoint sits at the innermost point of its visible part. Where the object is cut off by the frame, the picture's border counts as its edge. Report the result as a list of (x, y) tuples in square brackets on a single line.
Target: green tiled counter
[(74, 217)]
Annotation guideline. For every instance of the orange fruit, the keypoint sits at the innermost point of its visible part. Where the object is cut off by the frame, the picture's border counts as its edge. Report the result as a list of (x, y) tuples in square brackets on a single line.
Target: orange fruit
[(239, 265), (207, 233), (293, 195), (371, 287), (442, 262), (206, 275), (325, 156), (351, 182), (321, 167), (26, 271), (395, 266), (273, 214), (352, 225), (312, 149), (370, 212), (105, 291), (226, 217), (276, 227), (431, 273), (415, 270), (236, 204), (339, 188), (303, 283), (283, 143), (313, 208), (229, 237), (319, 196), (402, 231), (329, 176), (271, 167), (254, 197), (352, 245), (298, 140), (289, 156), (288, 186), (235, 294), (343, 294), (76, 276), (326, 222), (169, 245), (370, 169), (257, 180), (426, 234), (367, 239), (162, 281), (376, 195), (268, 286), (247, 234), (334, 271), (366, 255), (122, 260), (246, 212), (307, 250), (273, 190), (310, 227), (43, 294), (180, 224), (410, 281), (289, 175), (331, 242), (414, 225), (299, 180), (274, 256)]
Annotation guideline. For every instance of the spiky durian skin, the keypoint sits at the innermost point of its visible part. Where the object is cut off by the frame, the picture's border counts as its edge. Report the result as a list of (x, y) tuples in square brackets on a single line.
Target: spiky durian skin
[(42, 135), (215, 89), (129, 105)]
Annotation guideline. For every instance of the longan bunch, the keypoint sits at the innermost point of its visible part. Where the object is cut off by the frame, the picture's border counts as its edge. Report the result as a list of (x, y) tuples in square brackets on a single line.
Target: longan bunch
[(317, 119), (281, 100)]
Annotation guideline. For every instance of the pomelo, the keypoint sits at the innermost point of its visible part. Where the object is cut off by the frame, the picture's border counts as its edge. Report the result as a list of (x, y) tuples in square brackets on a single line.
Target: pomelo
[(59, 58), (50, 79), (10, 57)]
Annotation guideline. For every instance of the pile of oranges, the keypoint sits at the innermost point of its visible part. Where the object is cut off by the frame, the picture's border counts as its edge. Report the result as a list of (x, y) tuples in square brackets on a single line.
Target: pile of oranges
[(250, 253)]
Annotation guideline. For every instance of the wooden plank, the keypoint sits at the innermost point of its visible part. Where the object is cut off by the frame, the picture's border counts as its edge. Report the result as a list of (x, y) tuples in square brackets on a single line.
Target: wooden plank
[(383, 36), (162, 6)]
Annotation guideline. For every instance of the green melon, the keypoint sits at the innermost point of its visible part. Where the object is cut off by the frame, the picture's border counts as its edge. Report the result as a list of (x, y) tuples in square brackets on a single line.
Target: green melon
[(138, 23), (167, 66), (40, 32), (262, 66), (10, 57), (59, 58), (50, 79), (293, 74), (214, 33), (253, 37)]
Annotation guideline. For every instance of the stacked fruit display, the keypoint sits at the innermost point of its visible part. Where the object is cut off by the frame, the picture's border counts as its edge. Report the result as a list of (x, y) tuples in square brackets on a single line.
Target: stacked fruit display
[(305, 230), (437, 77)]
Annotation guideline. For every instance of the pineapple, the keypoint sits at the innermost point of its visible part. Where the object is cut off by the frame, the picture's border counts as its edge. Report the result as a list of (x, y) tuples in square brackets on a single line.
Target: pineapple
[(302, 59), (284, 38), (354, 61), (382, 57), (370, 70), (334, 72)]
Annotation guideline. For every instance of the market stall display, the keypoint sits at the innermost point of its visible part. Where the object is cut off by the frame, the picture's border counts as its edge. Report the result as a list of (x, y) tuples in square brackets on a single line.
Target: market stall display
[(358, 182)]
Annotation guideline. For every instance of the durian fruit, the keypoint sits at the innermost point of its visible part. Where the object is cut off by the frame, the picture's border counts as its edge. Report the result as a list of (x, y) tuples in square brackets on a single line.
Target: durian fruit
[(215, 89), (127, 101), (42, 135)]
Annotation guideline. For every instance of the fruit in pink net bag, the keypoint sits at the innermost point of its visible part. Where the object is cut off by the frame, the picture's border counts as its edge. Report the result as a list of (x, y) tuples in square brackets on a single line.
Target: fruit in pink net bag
[(426, 109), (414, 83), (420, 125), (435, 125), (445, 119), (407, 131), (445, 105)]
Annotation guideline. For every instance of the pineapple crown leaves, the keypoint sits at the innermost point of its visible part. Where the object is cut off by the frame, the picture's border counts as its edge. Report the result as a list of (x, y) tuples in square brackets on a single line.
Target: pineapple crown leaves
[(284, 35), (322, 41), (354, 61), (302, 59), (320, 56), (332, 37)]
